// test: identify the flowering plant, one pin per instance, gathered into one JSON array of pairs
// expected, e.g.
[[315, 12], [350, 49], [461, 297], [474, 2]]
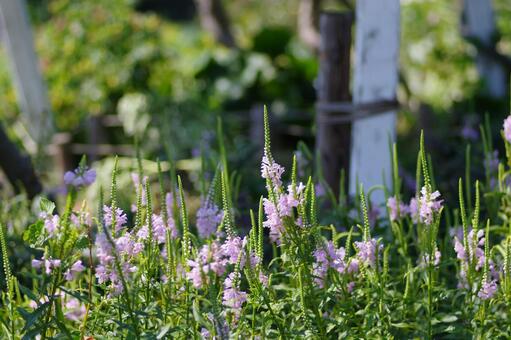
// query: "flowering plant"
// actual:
[[149, 271]]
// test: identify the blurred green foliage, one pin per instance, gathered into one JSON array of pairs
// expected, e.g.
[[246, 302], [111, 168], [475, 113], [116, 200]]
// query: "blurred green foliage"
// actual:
[[108, 58]]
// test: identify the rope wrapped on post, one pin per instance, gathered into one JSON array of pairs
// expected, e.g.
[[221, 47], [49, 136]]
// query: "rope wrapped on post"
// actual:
[[347, 112]]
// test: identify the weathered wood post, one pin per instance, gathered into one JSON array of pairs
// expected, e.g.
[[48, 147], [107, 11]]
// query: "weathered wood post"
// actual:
[[30, 89], [375, 79], [333, 85]]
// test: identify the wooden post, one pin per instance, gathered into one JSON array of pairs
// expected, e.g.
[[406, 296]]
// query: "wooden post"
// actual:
[[333, 140], [30, 89], [375, 78], [478, 25]]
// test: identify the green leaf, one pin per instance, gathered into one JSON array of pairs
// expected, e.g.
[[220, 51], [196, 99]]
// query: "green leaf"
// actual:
[[163, 331], [33, 235], [82, 243], [449, 318], [46, 205]]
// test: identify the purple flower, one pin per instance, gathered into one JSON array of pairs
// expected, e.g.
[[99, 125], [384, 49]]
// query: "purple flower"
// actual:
[[51, 223], [424, 261], [209, 260], [76, 268], [366, 251], [468, 132], [48, 263], [232, 249], [205, 333], [271, 171], [80, 177], [75, 311], [413, 209], [507, 129], [328, 256], [273, 220], [397, 209], [429, 204], [488, 290], [126, 245], [209, 218], [120, 217], [126, 249], [233, 298], [350, 286]]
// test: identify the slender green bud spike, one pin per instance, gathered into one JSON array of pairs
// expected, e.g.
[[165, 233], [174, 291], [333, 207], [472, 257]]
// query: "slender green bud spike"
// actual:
[[184, 222], [313, 212], [507, 263], [424, 162], [260, 227], [293, 175], [267, 145], [418, 174], [253, 233], [486, 252], [347, 245], [475, 219], [386, 262], [363, 205], [100, 207], [138, 216], [113, 195], [463, 214], [7, 267], [228, 223]]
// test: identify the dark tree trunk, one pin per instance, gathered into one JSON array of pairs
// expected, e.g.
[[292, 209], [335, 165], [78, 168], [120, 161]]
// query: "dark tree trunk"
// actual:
[[17, 167], [333, 140]]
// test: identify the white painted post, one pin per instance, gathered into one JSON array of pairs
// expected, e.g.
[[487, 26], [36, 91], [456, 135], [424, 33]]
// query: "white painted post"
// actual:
[[478, 22], [30, 89], [375, 78]]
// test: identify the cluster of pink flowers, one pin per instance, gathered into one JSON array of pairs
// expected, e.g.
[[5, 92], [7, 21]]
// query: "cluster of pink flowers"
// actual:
[[80, 177], [488, 290], [475, 252], [126, 247], [366, 251], [327, 256], [420, 210], [275, 212], [429, 204], [271, 171], [159, 229], [51, 222], [233, 297], [397, 209], [120, 217], [424, 260], [73, 309], [209, 259], [209, 217]]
